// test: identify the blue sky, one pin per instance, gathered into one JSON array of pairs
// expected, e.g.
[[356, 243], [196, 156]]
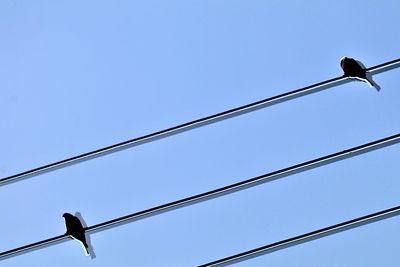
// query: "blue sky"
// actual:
[[80, 75]]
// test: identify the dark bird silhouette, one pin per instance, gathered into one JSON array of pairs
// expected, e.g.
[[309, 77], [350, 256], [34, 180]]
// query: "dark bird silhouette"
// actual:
[[75, 229], [354, 69]]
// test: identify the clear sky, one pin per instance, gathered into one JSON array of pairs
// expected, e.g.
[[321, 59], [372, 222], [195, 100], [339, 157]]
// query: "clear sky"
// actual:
[[79, 75]]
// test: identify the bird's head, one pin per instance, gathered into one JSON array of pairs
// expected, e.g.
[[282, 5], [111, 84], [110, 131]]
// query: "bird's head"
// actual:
[[67, 215]]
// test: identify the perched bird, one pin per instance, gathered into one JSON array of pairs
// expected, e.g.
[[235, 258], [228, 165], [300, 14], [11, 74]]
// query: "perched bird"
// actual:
[[75, 229], [353, 69]]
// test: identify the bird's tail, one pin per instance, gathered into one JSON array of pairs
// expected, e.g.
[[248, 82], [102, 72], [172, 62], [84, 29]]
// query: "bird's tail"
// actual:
[[371, 83], [86, 248]]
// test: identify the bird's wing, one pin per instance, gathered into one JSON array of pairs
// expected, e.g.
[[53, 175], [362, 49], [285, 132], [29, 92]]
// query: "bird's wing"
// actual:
[[353, 64], [75, 222]]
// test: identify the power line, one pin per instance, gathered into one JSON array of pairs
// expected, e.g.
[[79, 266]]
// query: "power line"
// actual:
[[196, 123], [229, 189], [330, 230]]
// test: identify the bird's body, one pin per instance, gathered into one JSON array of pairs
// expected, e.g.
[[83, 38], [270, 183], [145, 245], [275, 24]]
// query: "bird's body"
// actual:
[[353, 69], [75, 229]]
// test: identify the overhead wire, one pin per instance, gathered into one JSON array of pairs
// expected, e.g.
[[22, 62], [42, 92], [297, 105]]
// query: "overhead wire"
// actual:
[[229, 189], [293, 241], [195, 123]]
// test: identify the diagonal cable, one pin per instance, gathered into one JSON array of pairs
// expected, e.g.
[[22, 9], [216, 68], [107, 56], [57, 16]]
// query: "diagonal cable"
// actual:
[[330, 230], [229, 189], [196, 123]]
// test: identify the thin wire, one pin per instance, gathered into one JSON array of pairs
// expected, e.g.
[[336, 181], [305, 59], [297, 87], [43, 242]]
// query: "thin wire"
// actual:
[[229, 189], [330, 230], [196, 123]]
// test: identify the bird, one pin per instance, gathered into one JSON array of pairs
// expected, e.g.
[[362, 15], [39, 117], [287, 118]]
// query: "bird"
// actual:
[[75, 230], [354, 69]]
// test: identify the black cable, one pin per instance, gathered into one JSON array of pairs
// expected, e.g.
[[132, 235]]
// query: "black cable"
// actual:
[[196, 123], [330, 230], [354, 151]]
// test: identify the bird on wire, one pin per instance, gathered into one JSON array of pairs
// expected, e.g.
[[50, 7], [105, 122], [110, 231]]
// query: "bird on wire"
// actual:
[[75, 230], [354, 69]]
